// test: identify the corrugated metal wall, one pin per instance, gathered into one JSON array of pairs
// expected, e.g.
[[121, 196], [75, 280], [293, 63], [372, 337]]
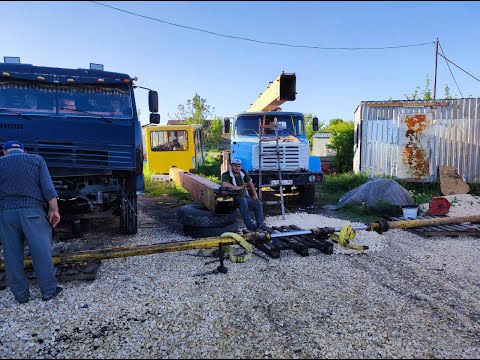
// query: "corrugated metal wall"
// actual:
[[453, 136]]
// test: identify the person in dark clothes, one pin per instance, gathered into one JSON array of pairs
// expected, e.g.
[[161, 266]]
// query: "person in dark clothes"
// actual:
[[26, 191], [239, 181]]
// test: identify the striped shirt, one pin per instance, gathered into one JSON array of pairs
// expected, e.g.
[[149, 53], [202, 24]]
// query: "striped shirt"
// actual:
[[24, 181]]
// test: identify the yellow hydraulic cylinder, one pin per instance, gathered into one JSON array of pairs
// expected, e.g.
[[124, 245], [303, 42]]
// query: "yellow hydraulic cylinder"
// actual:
[[141, 250], [277, 92]]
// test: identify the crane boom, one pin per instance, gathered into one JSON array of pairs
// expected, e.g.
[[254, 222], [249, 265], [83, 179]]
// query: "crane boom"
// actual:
[[282, 89]]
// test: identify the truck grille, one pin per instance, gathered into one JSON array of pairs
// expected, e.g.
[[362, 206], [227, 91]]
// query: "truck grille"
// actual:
[[293, 156], [68, 155]]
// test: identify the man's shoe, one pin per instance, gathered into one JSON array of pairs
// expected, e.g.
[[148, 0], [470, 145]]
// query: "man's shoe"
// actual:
[[23, 301], [262, 227], [58, 290]]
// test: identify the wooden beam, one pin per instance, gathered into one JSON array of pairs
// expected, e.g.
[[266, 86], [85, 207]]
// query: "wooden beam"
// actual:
[[406, 103]]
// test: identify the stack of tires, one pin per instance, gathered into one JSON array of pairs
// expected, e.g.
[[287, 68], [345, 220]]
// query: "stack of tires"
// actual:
[[199, 222]]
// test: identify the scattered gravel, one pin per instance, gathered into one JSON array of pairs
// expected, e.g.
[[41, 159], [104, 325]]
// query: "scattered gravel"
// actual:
[[406, 297], [460, 205]]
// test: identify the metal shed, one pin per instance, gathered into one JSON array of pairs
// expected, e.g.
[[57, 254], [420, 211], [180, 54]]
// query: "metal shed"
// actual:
[[410, 139]]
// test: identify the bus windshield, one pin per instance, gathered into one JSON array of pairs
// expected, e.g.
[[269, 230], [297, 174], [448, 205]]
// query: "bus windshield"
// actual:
[[288, 125], [112, 101]]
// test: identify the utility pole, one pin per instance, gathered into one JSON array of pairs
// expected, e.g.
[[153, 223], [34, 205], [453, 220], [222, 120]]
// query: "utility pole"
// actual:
[[435, 77]]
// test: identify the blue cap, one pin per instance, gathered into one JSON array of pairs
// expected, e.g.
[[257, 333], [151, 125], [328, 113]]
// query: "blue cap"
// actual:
[[13, 144], [236, 161]]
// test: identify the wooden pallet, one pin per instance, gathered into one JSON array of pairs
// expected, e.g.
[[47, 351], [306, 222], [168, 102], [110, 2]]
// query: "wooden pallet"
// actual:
[[300, 244], [453, 230]]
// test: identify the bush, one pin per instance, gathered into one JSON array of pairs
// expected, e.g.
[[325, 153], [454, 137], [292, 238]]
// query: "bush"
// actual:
[[210, 168], [342, 142]]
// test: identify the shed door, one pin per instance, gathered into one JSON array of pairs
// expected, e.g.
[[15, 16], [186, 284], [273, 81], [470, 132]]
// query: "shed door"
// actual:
[[414, 146]]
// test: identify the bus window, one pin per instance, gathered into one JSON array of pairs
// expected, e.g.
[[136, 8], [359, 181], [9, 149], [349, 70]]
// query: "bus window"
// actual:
[[172, 140]]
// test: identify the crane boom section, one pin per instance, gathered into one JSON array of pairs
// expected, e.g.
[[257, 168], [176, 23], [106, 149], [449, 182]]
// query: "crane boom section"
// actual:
[[282, 89]]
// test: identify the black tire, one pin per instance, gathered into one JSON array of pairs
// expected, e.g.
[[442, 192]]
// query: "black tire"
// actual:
[[128, 216], [203, 232], [199, 216], [307, 195]]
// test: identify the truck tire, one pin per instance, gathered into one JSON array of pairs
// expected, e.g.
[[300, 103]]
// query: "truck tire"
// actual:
[[203, 232], [202, 217], [128, 216], [307, 195]]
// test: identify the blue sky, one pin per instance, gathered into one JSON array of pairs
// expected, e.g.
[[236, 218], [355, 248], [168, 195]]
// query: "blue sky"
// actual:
[[230, 73]]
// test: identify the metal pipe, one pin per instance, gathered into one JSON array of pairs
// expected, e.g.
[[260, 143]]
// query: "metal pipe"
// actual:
[[409, 224]]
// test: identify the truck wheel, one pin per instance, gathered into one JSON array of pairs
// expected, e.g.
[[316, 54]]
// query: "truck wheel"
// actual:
[[201, 217], [307, 195], [202, 232], [128, 216]]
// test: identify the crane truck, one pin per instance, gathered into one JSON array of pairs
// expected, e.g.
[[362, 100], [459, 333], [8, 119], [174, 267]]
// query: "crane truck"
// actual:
[[291, 163]]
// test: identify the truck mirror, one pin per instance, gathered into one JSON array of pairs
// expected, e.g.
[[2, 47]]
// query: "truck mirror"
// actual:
[[226, 126], [315, 124], [154, 118], [153, 101]]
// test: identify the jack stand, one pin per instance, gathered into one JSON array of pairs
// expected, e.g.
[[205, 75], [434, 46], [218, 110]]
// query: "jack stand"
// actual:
[[221, 269]]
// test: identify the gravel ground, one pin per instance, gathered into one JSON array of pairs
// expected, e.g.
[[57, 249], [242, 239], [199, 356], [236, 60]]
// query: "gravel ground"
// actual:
[[407, 297]]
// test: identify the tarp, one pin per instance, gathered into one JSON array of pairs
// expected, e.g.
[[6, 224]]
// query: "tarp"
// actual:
[[375, 193]]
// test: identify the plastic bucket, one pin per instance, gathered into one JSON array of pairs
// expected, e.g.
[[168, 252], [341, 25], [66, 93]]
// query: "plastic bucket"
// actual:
[[410, 212]]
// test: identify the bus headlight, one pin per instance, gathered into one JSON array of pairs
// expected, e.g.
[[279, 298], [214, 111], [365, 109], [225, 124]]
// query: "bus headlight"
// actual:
[[311, 178]]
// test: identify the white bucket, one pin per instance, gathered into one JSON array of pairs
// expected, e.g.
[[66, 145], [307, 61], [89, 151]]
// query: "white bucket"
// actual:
[[410, 212]]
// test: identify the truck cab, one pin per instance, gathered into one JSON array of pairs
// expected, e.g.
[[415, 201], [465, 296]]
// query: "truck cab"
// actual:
[[299, 170], [84, 123]]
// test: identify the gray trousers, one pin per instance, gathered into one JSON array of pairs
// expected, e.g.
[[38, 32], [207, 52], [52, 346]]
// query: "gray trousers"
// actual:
[[31, 224]]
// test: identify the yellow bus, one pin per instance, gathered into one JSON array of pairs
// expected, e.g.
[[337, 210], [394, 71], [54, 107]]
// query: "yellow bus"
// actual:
[[178, 145]]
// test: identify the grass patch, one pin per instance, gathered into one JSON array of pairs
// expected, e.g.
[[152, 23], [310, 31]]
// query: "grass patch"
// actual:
[[210, 168], [159, 188], [335, 186], [422, 193]]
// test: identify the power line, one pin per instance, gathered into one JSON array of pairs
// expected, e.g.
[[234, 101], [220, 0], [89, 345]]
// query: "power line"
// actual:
[[260, 41], [450, 69], [465, 71]]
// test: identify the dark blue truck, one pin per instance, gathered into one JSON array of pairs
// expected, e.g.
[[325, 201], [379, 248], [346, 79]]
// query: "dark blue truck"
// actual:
[[84, 123]]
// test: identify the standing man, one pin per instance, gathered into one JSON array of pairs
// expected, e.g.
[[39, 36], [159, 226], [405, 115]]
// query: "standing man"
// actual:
[[239, 181], [26, 191]]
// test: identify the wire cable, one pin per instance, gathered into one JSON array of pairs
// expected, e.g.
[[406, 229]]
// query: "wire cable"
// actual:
[[450, 69], [465, 71], [260, 41]]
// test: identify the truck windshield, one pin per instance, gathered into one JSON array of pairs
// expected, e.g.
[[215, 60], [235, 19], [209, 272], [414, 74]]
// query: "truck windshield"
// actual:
[[112, 101], [288, 124]]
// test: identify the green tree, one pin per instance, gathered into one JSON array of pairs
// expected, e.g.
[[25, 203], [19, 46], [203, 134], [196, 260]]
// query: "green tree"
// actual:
[[215, 130], [196, 111], [447, 92], [309, 128], [342, 142], [419, 94]]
